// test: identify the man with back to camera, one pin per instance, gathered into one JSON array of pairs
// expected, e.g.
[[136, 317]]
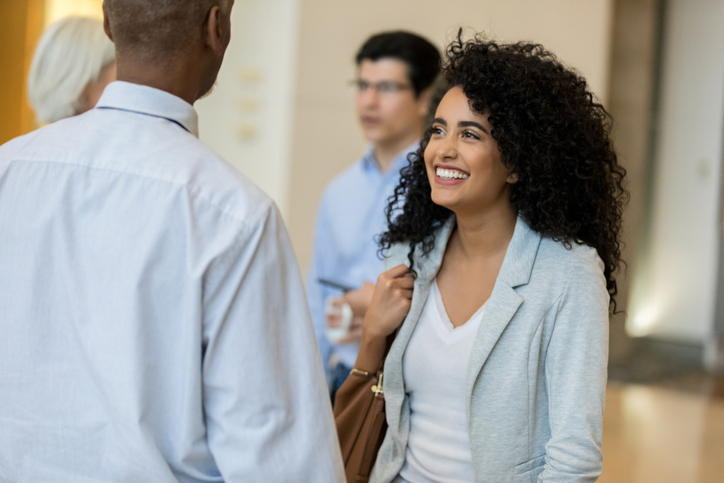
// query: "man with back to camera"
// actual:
[[395, 76], [153, 317]]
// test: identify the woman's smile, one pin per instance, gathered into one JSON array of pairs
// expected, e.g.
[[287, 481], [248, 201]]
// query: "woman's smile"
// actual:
[[449, 175]]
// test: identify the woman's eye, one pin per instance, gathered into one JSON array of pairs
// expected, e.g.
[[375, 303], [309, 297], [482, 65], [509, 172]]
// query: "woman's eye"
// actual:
[[471, 135], [437, 131]]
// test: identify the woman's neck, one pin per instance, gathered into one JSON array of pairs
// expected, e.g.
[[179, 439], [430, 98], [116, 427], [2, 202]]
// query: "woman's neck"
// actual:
[[484, 235]]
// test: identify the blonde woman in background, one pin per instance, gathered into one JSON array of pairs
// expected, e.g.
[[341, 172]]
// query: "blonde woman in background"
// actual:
[[72, 65]]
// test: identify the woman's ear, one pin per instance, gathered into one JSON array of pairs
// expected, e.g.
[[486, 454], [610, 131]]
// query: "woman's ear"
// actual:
[[512, 178]]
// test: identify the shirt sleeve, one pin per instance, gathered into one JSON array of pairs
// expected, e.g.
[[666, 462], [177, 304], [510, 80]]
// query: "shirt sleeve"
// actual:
[[316, 292], [576, 376], [268, 414]]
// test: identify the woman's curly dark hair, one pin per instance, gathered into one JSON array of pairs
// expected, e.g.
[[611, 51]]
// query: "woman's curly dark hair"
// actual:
[[550, 131]]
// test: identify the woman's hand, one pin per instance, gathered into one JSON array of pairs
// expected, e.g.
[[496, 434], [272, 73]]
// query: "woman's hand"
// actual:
[[390, 302], [388, 308]]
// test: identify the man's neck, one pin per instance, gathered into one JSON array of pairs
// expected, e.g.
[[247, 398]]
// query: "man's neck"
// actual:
[[174, 78], [385, 153]]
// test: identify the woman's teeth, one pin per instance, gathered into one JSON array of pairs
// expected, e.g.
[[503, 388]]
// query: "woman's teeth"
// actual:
[[451, 174]]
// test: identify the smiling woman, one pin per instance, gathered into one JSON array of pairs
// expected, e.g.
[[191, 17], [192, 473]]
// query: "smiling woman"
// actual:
[[463, 160], [508, 216], [550, 133]]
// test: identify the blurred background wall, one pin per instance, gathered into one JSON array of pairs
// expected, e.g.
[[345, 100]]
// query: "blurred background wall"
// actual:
[[249, 119], [283, 114], [674, 292], [21, 23]]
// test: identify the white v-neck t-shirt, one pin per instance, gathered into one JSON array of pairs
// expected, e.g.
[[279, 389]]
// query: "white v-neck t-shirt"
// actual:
[[434, 367]]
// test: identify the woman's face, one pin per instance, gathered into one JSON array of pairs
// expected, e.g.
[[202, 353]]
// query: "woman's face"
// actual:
[[463, 161]]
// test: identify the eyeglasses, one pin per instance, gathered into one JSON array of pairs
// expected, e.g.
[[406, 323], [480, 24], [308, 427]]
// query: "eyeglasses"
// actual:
[[382, 87]]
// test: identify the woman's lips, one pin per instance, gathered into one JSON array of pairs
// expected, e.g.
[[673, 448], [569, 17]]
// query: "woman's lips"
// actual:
[[449, 176]]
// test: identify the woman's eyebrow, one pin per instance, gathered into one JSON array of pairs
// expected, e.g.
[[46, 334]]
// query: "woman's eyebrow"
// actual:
[[439, 120], [472, 124]]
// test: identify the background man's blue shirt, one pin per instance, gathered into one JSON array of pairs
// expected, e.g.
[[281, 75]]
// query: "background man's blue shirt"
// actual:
[[350, 217]]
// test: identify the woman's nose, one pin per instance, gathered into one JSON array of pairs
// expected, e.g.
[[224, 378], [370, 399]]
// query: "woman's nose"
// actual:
[[447, 148]]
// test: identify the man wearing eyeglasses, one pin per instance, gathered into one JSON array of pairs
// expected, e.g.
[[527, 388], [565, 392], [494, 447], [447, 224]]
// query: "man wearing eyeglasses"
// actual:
[[395, 76]]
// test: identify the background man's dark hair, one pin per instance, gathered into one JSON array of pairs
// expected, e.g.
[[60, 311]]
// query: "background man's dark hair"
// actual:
[[157, 28], [421, 56]]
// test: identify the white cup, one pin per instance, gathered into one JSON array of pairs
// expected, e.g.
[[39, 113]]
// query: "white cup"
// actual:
[[341, 313]]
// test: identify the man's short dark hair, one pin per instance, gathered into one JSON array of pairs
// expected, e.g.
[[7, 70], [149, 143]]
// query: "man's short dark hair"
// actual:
[[157, 28], [421, 56]]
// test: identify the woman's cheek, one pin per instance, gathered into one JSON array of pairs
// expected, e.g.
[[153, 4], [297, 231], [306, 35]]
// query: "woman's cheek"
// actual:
[[428, 156]]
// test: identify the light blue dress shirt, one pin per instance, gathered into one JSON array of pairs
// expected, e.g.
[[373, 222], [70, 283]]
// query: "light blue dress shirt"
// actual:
[[351, 215], [154, 324]]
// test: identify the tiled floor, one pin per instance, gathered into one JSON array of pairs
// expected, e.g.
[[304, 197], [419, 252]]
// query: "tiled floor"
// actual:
[[671, 431]]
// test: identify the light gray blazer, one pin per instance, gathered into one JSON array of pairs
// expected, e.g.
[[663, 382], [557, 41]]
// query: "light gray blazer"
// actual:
[[536, 378]]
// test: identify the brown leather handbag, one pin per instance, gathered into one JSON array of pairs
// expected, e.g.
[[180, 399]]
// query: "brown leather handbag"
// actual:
[[359, 413]]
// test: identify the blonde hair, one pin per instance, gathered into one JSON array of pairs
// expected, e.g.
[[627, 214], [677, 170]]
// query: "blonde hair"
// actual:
[[71, 53]]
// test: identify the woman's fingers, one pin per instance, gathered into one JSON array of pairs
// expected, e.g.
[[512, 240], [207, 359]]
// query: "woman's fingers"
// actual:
[[390, 301], [397, 276], [405, 282], [397, 271]]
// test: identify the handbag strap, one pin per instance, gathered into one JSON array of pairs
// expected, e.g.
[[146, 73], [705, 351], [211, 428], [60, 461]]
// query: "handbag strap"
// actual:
[[390, 339]]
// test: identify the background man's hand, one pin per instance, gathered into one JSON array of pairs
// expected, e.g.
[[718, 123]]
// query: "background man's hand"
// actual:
[[358, 300]]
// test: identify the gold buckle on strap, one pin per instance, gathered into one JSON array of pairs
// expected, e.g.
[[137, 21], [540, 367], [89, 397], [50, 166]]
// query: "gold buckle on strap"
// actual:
[[377, 388]]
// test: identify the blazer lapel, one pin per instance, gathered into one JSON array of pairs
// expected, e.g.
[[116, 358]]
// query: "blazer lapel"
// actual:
[[502, 306], [504, 301], [426, 268]]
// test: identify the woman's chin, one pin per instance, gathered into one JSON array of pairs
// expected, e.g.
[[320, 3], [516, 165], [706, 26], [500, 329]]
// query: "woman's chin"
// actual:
[[445, 202]]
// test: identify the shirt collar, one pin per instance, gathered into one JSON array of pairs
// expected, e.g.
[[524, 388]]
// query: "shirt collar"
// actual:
[[150, 101], [369, 163]]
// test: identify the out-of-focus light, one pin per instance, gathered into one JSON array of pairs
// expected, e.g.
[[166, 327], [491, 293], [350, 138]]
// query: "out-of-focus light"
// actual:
[[643, 321], [57, 9]]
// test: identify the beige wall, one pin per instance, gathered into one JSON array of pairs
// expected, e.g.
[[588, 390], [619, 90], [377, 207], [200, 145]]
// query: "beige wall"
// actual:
[[247, 120], [326, 136], [631, 91], [674, 291]]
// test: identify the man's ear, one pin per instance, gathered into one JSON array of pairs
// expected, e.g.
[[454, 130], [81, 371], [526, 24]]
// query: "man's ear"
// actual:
[[423, 102], [216, 30], [107, 23]]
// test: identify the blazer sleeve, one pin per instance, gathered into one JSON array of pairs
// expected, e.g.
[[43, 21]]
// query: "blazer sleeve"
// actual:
[[576, 373]]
